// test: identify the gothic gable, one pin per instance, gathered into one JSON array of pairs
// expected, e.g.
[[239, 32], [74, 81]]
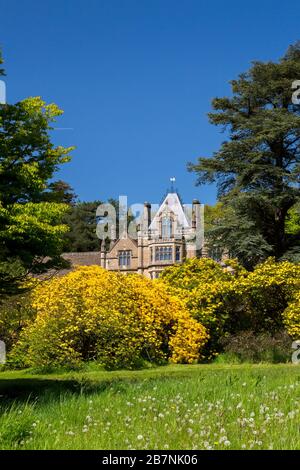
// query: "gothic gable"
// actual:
[[171, 206]]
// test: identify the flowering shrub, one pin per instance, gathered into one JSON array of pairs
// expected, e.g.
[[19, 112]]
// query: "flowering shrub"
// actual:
[[292, 317], [266, 292], [118, 320], [229, 302], [207, 291]]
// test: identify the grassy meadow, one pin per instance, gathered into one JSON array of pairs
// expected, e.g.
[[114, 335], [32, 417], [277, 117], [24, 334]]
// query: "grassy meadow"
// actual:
[[170, 407]]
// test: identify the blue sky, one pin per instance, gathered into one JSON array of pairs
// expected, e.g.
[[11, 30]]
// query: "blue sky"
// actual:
[[135, 79]]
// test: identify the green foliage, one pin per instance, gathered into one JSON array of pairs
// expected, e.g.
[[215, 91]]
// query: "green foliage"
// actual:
[[228, 303], [33, 232], [292, 316], [12, 276], [293, 230], [247, 346], [257, 167], [30, 228], [60, 191], [293, 220], [28, 159], [81, 220], [213, 215], [236, 233], [15, 313]]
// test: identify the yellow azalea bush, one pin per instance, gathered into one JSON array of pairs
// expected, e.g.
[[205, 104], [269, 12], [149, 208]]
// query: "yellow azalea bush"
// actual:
[[226, 302], [206, 288], [118, 320], [266, 292], [292, 317]]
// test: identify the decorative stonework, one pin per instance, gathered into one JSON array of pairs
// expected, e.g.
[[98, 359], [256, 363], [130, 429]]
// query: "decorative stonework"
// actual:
[[163, 239]]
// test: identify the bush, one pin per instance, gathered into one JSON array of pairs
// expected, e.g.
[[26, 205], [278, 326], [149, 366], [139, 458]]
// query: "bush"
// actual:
[[231, 302], [15, 314], [292, 317], [249, 347], [206, 289], [94, 314], [265, 294]]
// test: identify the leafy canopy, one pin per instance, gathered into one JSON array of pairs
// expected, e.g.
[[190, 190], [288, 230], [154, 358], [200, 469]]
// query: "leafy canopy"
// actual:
[[257, 169], [30, 228]]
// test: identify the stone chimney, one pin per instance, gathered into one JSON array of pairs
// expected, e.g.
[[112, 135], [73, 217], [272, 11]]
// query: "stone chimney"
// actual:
[[146, 216], [196, 214]]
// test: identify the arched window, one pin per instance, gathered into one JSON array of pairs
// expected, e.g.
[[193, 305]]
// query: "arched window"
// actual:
[[166, 227]]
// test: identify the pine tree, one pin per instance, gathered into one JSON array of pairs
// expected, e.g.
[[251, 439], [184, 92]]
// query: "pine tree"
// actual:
[[257, 169]]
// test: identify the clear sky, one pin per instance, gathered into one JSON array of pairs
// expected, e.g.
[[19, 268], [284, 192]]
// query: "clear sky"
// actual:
[[135, 79]]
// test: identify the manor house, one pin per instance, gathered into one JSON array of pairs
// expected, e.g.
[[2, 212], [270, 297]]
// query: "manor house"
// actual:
[[164, 238]]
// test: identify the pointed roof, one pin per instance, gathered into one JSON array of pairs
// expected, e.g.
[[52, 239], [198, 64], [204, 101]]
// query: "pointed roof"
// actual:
[[171, 203]]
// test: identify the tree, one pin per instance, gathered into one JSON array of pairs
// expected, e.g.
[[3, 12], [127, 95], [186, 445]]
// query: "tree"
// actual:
[[292, 228], [257, 169], [60, 191], [30, 228], [81, 220], [293, 220]]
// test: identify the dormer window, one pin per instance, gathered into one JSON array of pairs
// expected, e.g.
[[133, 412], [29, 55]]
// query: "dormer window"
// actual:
[[166, 227]]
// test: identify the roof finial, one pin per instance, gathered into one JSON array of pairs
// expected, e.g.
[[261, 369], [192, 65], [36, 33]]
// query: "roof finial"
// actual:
[[172, 179]]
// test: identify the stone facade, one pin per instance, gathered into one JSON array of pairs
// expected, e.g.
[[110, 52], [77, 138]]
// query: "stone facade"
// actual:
[[163, 239]]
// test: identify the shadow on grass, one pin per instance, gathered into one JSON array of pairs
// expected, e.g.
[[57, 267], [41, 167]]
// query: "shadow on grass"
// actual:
[[24, 389]]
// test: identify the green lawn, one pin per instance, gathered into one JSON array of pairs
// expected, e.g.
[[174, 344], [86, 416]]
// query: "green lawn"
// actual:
[[171, 407]]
